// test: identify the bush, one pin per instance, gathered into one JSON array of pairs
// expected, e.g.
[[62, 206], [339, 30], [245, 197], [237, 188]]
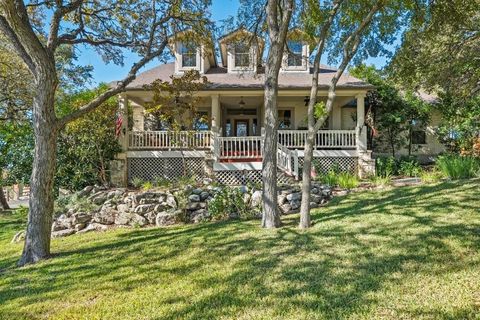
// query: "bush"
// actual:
[[431, 176], [385, 166], [409, 166], [347, 180], [381, 181], [458, 167], [228, 201], [329, 179], [137, 182]]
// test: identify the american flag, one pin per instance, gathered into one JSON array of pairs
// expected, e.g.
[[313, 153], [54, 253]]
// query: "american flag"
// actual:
[[118, 124]]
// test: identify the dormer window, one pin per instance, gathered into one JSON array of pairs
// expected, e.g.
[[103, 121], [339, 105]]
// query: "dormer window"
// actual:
[[242, 55], [295, 58], [189, 55]]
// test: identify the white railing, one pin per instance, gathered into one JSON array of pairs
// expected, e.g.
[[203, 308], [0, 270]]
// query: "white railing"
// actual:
[[240, 147], [287, 160], [169, 140], [328, 139]]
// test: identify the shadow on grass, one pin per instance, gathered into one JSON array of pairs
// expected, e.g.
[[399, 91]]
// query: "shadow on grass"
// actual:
[[360, 243]]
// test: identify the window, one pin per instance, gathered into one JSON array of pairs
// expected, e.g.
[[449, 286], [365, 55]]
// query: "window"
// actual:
[[419, 137], [284, 119], [294, 58], [242, 55], [189, 55]]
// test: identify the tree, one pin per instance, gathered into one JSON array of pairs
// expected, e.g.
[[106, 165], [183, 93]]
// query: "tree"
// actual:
[[86, 145], [439, 51], [110, 27], [278, 15], [349, 27]]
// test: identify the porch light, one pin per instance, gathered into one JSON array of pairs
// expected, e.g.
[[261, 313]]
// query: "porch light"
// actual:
[[241, 104], [306, 100]]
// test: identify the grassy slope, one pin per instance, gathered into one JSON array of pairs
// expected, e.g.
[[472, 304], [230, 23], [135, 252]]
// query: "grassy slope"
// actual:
[[404, 253]]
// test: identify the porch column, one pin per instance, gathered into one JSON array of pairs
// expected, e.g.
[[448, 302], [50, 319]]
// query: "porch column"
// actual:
[[123, 112], [216, 124], [361, 128]]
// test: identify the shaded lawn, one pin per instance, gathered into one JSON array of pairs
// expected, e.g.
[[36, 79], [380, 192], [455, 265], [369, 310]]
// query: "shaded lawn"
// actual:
[[406, 253]]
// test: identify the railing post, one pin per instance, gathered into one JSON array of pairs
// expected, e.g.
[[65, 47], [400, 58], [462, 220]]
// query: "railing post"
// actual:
[[295, 164]]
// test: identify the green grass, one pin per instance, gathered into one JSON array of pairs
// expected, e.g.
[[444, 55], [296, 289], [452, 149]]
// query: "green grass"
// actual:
[[404, 253]]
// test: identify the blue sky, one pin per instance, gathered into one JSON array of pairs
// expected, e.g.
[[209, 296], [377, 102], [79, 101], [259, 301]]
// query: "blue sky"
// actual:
[[103, 72]]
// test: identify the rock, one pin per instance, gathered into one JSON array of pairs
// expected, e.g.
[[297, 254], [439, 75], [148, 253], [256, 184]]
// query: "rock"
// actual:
[[286, 208], [199, 215], [286, 191], [295, 204], [19, 236], [316, 198], [123, 218], [294, 196], [79, 226], [150, 216], [197, 191], [326, 192], [246, 198], [123, 208], [81, 217], [194, 198], [171, 202], [94, 227], [314, 190], [204, 195], [105, 216], [342, 193], [85, 191], [64, 221], [281, 199], [257, 198], [166, 218], [243, 189], [192, 206], [63, 233], [207, 181], [144, 208], [313, 205], [138, 220], [98, 198], [161, 207]]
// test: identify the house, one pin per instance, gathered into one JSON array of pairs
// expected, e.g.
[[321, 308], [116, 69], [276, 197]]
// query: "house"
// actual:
[[229, 147]]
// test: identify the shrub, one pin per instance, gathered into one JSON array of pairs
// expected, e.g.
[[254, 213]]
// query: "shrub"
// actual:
[[347, 180], [381, 181], [330, 178], [161, 182], [431, 176], [227, 201], [147, 186], [458, 167], [409, 167], [385, 166], [137, 182]]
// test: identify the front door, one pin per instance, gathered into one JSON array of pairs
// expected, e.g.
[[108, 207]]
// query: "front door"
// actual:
[[241, 128]]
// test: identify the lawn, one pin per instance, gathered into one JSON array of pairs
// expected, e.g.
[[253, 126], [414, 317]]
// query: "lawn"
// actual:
[[404, 253]]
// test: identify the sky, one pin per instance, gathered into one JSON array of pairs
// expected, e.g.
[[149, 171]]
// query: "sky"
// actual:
[[107, 72]]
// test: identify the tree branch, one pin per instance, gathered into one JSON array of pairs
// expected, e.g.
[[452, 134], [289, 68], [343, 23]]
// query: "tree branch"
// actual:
[[52, 41]]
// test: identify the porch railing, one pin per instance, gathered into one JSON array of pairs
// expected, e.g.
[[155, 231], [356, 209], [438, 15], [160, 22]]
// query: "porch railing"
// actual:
[[326, 139], [240, 147], [287, 160], [169, 140]]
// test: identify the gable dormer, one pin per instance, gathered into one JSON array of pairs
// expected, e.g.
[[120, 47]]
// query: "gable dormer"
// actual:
[[192, 55], [297, 52], [241, 51]]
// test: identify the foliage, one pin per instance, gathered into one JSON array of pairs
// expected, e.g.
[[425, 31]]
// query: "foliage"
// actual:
[[86, 145], [73, 201], [439, 51], [425, 237], [431, 176], [385, 166], [174, 105], [346, 180], [458, 167], [390, 166], [409, 167], [147, 186], [137, 182], [229, 201], [380, 181], [330, 178], [395, 114]]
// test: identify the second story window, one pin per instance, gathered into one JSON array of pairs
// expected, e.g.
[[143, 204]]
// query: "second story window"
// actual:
[[189, 55], [294, 58], [242, 55]]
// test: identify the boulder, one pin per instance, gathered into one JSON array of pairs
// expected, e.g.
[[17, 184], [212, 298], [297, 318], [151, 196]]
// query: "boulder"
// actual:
[[295, 204], [294, 196], [166, 218], [94, 227], [286, 208], [81, 217], [313, 205], [138, 220], [194, 198], [170, 201], [192, 206], [197, 191], [257, 198], [281, 199], [62, 233], [123, 208], [79, 226], [204, 195], [123, 218], [199, 215], [144, 208], [151, 216], [85, 191], [316, 198], [314, 190], [105, 216]]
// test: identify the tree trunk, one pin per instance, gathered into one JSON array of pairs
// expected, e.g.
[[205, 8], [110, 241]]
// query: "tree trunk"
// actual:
[[277, 32], [40, 215], [3, 200], [307, 180]]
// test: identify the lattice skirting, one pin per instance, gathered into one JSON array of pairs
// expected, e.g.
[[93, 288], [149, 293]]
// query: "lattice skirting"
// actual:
[[239, 177], [148, 169], [324, 164]]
